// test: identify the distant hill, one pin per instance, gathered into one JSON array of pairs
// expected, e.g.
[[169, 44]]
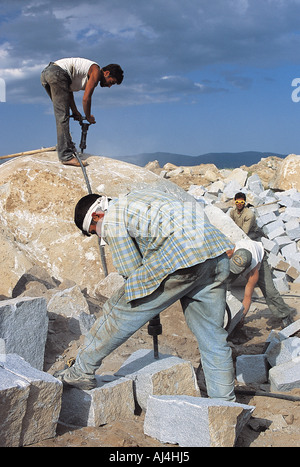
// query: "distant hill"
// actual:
[[222, 160]]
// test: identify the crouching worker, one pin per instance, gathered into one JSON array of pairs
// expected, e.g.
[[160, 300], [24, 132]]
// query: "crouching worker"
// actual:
[[166, 252], [249, 260]]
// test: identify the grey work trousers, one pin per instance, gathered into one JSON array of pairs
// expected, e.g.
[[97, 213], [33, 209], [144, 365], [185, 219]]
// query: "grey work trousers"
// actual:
[[202, 292], [57, 82], [274, 300]]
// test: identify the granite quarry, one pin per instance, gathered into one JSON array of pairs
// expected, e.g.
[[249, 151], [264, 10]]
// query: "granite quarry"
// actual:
[[48, 304]]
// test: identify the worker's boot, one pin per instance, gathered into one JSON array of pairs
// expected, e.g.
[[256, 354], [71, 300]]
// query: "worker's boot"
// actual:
[[72, 377]]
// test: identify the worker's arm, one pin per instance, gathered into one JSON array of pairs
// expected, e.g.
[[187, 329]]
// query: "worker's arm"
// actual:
[[94, 78], [251, 283], [75, 112]]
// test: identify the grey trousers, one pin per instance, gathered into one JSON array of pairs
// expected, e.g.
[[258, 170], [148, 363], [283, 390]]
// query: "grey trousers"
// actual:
[[275, 302], [202, 292], [57, 82]]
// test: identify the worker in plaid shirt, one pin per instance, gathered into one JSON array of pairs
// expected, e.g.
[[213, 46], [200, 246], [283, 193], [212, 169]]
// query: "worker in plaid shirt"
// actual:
[[166, 251]]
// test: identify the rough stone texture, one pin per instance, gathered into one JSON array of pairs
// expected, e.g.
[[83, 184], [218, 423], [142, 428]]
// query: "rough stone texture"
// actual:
[[286, 376], [34, 275], [288, 331], [14, 393], [167, 375], [283, 351], [30, 402], [71, 304], [110, 284], [110, 401], [13, 261], [24, 327], [288, 174], [38, 191], [224, 223], [252, 369], [195, 421]]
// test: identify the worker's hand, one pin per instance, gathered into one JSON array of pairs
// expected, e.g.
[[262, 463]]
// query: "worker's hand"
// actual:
[[91, 119], [77, 116]]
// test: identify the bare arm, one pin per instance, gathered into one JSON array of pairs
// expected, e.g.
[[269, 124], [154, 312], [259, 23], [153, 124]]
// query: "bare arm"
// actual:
[[94, 78], [252, 281], [75, 112]]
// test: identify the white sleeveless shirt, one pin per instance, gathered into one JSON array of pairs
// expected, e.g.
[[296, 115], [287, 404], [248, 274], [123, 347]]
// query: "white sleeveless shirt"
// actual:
[[255, 248], [77, 69]]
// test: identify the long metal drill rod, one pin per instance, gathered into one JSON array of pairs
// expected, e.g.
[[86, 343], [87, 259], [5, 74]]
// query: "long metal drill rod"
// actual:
[[84, 129]]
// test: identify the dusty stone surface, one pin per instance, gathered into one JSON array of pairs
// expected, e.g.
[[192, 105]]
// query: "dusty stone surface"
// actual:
[[195, 421], [287, 176], [37, 199], [274, 422]]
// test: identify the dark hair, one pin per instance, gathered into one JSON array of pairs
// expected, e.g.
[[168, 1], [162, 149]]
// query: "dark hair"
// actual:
[[82, 208], [115, 72], [240, 195]]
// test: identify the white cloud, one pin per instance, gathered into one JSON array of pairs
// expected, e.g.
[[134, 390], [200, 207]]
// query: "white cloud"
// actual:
[[159, 43]]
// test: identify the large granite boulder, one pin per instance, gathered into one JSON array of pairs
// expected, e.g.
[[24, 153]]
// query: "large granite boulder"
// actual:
[[37, 199], [287, 176]]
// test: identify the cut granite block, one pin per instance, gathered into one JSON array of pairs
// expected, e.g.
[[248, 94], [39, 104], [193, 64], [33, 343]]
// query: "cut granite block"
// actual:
[[288, 331], [283, 351], [29, 403], [281, 284], [283, 241], [266, 219], [14, 393], [43, 404], [111, 400], [195, 421], [24, 328], [275, 233], [290, 250], [270, 245], [167, 375], [266, 209], [286, 376], [252, 369]]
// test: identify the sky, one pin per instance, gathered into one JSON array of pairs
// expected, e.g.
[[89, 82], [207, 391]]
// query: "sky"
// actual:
[[200, 76]]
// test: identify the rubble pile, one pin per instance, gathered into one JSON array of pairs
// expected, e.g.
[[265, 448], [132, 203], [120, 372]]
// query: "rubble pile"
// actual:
[[277, 214], [279, 365]]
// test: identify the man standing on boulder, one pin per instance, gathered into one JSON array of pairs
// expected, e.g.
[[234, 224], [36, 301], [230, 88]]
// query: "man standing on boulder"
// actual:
[[61, 79], [166, 251]]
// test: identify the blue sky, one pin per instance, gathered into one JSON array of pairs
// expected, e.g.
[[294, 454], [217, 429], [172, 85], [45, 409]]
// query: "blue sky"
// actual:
[[200, 76]]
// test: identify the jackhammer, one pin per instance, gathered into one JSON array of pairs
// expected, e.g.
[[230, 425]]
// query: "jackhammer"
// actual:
[[84, 130], [154, 330]]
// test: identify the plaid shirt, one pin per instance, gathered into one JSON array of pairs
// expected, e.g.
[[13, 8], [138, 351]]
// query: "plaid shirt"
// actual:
[[152, 234]]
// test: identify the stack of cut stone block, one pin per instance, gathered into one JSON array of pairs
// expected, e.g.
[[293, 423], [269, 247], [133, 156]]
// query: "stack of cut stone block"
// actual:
[[279, 365], [30, 402], [30, 399], [25, 390], [167, 391], [277, 214]]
